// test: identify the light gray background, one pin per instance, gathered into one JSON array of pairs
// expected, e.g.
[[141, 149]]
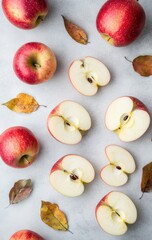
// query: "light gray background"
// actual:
[[124, 81]]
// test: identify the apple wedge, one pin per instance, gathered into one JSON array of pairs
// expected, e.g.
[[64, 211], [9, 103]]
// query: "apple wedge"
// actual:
[[121, 163], [88, 74], [128, 117], [68, 121], [114, 212], [69, 174]]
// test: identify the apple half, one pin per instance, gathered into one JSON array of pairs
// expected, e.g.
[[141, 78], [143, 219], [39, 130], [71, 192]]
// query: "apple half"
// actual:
[[128, 117], [68, 121], [114, 212], [121, 163], [69, 174], [88, 74]]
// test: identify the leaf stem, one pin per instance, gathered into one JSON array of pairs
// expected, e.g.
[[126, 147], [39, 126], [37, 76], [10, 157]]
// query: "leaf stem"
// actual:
[[127, 59]]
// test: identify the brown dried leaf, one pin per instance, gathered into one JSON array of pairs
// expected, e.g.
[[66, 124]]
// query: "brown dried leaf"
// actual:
[[20, 191], [77, 33], [53, 216], [23, 103], [143, 65], [146, 183]]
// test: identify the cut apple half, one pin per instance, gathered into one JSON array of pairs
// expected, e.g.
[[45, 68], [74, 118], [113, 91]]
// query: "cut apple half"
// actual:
[[88, 74], [128, 117], [68, 121], [121, 163], [69, 174], [114, 212]]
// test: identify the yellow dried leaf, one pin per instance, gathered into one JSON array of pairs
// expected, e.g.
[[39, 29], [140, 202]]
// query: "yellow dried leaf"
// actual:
[[53, 216], [77, 33], [23, 103]]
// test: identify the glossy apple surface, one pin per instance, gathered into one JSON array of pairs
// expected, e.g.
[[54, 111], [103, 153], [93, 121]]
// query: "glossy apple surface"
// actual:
[[120, 22], [26, 235], [34, 63], [18, 147], [25, 14]]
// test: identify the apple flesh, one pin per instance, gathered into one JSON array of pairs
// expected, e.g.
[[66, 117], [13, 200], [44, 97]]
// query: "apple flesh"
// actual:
[[88, 74], [68, 121], [114, 212], [18, 147], [120, 22], [25, 14], [121, 163], [69, 174], [26, 235], [34, 63], [128, 117]]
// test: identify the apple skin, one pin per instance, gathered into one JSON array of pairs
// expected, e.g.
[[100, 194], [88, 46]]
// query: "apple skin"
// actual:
[[34, 63], [26, 235], [25, 14], [16, 142], [120, 22]]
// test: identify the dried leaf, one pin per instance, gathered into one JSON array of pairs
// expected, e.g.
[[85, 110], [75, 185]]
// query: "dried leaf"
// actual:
[[53, 216], [20, 191], [23, 103], [146, 183], [143, 65], [77, 33]]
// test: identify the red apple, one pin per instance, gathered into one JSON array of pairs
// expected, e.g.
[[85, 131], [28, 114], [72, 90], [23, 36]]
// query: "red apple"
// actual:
[[26, 235], [18, 147], [34, 63], [120, 21], [25, 14]]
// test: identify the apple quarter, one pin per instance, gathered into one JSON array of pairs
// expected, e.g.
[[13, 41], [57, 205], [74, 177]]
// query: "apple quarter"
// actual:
[[114, 212], [69, 174], [121, 163], [68, 121], [128, 117], [88, 74]]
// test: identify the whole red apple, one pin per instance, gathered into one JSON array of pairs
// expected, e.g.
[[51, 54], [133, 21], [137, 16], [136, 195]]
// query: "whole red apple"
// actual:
[[34, 63], [25, 14], [26, 235], [18, 147], [120, 21]]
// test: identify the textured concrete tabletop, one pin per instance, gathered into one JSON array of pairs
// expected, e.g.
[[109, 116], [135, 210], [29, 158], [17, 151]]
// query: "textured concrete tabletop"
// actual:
[[80, 211]]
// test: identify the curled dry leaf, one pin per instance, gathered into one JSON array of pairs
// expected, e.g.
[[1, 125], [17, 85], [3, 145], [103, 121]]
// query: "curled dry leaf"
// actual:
[[53, 216], [146, 183], [143, 65], [23, 103], [20, 191], [77, 33]]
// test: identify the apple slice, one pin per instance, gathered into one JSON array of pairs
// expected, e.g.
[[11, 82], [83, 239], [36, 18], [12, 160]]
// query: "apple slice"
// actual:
[[114, 212], [68, 121], [69, 174], [120, 164], [128, 117], [88, 74]]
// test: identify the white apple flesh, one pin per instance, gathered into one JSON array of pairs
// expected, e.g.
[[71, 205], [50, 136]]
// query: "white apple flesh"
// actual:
[[128, 117], [68, 121], [121, 163], [69, 174], [88, 74], [114, 212]]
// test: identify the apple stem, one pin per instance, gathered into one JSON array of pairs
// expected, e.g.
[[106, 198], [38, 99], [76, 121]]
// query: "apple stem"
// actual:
[[128, 59], [43, 106], [36, 65]]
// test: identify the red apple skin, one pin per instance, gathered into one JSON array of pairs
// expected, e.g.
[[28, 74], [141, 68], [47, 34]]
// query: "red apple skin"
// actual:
[[121, 20], [57, 165], [25, 14], [139, 105], [26, 235], [34, 63], [103, 201], [16, 142]]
